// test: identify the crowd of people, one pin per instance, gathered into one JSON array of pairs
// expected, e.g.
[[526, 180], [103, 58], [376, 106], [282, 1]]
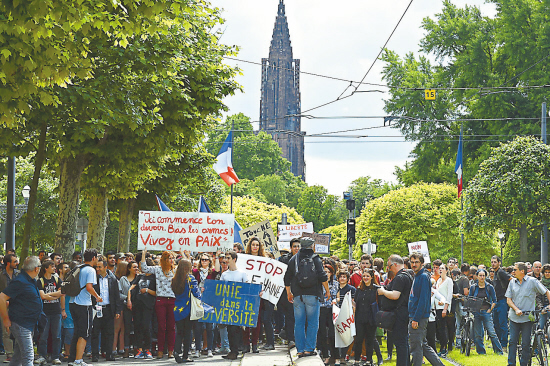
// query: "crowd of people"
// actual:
[[139, 305]]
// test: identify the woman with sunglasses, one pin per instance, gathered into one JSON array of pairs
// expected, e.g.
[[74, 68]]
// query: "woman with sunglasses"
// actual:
[[206, 271], [164, 305], [255, 247]]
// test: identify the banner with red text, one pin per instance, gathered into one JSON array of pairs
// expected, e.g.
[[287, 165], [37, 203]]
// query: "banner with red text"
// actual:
[[193, 231], [269, 273], [288, 232], [420, 247], [344, 322]]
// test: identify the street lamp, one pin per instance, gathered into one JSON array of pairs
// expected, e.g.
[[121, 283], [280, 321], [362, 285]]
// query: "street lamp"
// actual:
[[82, 232], [501, 236]]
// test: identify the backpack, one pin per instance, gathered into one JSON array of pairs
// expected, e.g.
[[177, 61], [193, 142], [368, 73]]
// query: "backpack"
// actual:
[[71, 283], [55, 277], [306, 276]]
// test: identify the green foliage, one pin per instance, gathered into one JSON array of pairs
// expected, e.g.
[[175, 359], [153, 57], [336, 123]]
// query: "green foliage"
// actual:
[[320, 208], [366, 189], [511, 189], [472, 51], [429, 212], [249, 211]]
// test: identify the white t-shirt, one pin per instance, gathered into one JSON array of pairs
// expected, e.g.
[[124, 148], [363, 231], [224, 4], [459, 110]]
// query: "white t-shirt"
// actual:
[[87, 275], [235, 276]]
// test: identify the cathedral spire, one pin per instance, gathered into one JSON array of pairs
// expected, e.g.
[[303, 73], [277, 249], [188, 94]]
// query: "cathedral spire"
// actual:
[[280, 42]]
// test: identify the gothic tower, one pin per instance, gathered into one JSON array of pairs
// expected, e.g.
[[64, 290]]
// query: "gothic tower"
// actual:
[[280, 103]]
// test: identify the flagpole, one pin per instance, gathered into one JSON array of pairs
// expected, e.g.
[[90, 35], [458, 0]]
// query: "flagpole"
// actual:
[[462, 198], [232, 148]]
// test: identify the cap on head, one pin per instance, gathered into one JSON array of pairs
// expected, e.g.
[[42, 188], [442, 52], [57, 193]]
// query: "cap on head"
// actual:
[[306, 242]]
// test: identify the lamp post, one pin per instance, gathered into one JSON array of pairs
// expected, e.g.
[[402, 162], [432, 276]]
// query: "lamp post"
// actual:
[[82, 232], [10, 214], [501, 236]]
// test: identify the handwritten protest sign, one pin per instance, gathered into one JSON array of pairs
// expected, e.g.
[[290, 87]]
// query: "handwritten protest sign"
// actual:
[[234, 303], [344, 322], [194, 231], [322, 242], [283, 245], [268, 272], [420, 247], [287, 232], [263, 232]]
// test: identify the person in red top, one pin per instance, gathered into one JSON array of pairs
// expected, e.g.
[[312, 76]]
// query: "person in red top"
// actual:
[[356, 277]]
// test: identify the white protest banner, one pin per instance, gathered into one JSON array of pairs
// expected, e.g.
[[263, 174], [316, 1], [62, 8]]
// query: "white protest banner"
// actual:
[[322, 242], [263, 232], [287, 232], [283, 245], [193, 231], [420, 247], [344, 322], [269, 273]]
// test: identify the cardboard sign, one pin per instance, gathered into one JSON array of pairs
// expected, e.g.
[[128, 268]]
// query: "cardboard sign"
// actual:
[[263, 232], [322, 242], [344, 322], [234, 303], [288, 232], [194, 231], [420, 247], [269, 273]]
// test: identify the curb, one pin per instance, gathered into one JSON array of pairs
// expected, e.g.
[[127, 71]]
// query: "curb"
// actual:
[[305, 361]]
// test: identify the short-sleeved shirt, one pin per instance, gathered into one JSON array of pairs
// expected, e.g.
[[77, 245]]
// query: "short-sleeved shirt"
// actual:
[[463, 283], [235, 276], [343, 291], [524, 296], [145, 281], [25, 302], [402, 282], [87, 275], [51, 307]]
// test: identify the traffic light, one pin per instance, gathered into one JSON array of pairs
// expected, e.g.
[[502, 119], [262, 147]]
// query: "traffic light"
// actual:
[[351, 231], [350, 205]]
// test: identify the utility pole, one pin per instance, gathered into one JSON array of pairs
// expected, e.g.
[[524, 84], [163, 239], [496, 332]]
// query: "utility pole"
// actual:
[[10, 213], [544, 234], [350, 205]]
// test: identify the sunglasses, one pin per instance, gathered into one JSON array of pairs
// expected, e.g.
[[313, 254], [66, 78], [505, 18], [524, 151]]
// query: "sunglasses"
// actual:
[[205, 259]]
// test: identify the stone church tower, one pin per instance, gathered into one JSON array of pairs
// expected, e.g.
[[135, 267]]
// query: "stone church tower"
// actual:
[[281, 95]]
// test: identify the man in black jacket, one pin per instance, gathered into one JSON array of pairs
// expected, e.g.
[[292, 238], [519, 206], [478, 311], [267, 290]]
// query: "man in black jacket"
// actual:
[[304, 279], [283, 304], [107, 311]]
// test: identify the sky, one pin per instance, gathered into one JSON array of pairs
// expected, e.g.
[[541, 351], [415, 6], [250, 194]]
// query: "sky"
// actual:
[[337, 39]]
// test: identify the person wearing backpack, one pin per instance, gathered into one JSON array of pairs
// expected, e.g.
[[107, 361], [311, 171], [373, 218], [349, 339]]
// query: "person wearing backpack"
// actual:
[[49, 286], [81, 308], [304, 281]]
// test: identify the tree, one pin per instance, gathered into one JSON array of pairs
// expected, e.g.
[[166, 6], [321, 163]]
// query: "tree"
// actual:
[[366, 189], [511, 189], [429, 212], [320, 208], [249, 211], [471, 51]]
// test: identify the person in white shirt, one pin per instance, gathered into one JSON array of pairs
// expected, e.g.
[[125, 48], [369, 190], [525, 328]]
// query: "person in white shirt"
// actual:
[[445, 287]]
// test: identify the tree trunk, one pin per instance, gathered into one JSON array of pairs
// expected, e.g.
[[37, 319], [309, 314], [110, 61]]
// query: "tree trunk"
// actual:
[[523, 243], [98, 218], [38, 162], [125, 225], [69, 191]]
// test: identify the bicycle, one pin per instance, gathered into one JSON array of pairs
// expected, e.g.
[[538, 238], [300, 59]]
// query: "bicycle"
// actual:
[[471, 305], [539, 352]]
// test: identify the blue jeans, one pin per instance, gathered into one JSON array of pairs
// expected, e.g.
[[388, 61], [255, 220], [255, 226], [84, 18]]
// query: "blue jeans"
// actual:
[[23, 351], [500, 321], [485, 320], [542, 320], [306, 308], [53, 322], [224, 339], [525, 330], [198, 330], [459, 314]]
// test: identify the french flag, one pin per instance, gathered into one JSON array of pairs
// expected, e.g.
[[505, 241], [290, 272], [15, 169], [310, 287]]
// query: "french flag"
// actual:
[[162, 206], [458, 165], [203, 207], [224, 164]]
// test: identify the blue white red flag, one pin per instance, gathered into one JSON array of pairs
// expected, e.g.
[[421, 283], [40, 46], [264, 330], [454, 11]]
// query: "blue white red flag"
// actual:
[[203, 207], [161, 205], [224, 163], [458, 165]]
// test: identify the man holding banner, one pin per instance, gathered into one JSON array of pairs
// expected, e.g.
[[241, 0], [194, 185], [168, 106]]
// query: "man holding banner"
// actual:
[[303, 280]]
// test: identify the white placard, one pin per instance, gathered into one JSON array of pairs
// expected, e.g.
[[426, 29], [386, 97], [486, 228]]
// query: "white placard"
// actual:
[[284, 245], [344, 322], [288, 232], [194, 231], [269, 273], [420, 247]]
